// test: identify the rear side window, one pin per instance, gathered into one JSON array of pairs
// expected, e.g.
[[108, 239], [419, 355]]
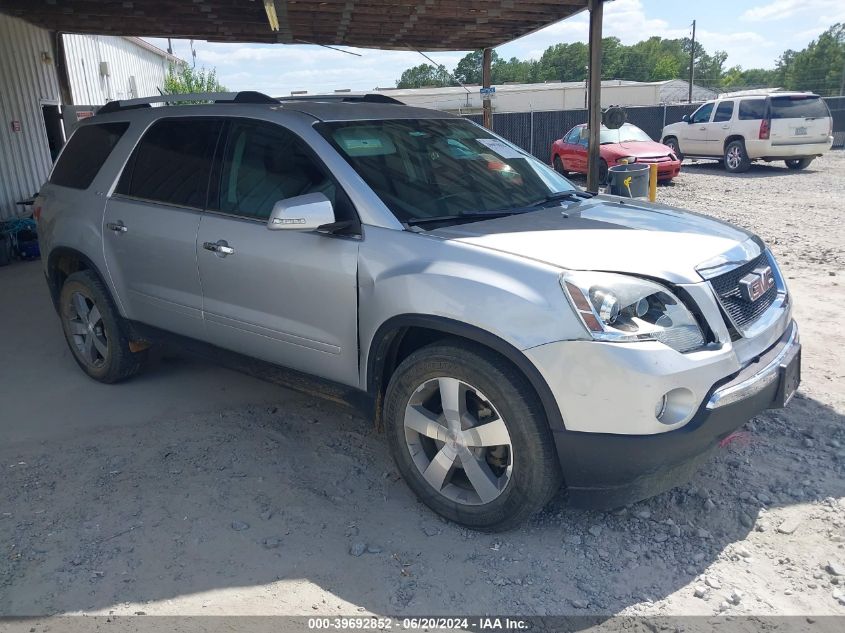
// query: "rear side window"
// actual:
[[172, 162], [798, 107], [85, 154], [724, 112], [752, 109]]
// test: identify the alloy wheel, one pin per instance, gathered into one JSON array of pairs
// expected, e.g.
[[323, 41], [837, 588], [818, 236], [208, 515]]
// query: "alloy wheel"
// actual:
[[458, 441], [734, 157], [87, 330]]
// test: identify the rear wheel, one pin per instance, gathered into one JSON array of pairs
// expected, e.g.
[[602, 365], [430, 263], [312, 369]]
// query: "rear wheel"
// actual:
[[736, 158], [94, 330], [469, 436], [672, 143], [798, 163]]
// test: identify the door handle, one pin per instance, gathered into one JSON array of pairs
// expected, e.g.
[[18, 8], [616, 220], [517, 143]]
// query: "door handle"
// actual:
[[117, 227], [726, 127], [220, 247], [702, 127]]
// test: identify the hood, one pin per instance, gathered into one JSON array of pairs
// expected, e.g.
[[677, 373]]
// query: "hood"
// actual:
[[606, 233], [640, 149]]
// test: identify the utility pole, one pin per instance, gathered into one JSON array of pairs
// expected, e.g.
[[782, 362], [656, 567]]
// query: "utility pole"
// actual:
[[692, 61], [594, 110]]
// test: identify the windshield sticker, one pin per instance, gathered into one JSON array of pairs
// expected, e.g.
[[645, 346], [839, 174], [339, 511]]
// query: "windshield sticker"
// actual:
[[502, 149]]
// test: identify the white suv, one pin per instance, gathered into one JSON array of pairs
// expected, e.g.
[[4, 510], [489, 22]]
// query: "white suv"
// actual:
[[795, 127]]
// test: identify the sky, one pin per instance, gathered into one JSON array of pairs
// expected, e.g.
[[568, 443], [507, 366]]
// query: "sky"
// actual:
[[752, 32]]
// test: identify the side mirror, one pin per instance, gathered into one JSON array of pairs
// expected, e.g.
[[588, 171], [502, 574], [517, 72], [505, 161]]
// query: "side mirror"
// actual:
[[301, 213], [685, 118]]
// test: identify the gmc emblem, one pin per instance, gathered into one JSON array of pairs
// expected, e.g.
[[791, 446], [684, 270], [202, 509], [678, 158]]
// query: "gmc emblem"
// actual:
[[755, 284]]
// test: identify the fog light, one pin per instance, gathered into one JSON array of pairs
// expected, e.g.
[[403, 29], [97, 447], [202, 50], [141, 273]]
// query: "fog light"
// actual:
[[660, 407]]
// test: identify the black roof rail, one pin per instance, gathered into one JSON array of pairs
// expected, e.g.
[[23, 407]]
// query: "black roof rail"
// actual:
[[246, 96], [345, 98]]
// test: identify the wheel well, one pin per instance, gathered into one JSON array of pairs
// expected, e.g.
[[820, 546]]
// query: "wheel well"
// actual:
[[402, 336], [731, 139], [61, 264]]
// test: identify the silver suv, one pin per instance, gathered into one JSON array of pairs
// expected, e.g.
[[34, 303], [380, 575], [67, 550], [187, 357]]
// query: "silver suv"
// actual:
[[514, 333]]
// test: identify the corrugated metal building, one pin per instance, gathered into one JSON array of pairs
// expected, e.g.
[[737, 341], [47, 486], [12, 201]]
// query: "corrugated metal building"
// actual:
[[104, 68], [28, 82], [99, 69], [550, 96]]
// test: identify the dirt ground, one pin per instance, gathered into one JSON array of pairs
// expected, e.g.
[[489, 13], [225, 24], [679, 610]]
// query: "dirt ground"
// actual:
[[177, 494]]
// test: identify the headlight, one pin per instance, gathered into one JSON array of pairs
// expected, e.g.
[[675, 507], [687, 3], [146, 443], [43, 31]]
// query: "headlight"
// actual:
[[620, 308], [627, 159]]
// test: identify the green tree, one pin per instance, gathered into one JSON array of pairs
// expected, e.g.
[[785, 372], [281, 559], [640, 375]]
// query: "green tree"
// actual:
[[182, 79], [425, 75], [564, 62], [819, 66]]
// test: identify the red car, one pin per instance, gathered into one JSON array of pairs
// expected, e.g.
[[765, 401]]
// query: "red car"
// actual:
[[629, 142]]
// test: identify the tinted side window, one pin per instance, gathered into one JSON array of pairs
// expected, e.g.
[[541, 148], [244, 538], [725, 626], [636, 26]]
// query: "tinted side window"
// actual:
[[702, 115], [172, 162], [85, 154], [752, 109], [798, 107], [724, 112], [265, 163]]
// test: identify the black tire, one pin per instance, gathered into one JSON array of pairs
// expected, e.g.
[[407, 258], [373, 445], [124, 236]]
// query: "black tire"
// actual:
[[107, 358], [558, 164], [672, 143], [798, 163], [736, 159], [603, 171], [534, 475]]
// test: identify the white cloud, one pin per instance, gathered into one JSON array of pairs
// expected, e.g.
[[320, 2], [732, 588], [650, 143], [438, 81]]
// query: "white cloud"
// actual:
[[782, 9]]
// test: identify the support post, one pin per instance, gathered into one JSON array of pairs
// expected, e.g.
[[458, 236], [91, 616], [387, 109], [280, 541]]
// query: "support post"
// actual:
[[652, 182], [594, 95], [60, 60], [486, 76]]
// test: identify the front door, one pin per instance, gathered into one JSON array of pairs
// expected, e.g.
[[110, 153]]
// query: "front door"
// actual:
[[284, 296], [151, 222], [694, 135]]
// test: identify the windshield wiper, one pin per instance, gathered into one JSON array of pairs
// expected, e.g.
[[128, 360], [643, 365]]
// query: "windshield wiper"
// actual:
[[469, 216], [574, 195]]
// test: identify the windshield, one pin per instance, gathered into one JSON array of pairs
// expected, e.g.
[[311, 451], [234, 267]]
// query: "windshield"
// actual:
[[430, 168], [625, 134]]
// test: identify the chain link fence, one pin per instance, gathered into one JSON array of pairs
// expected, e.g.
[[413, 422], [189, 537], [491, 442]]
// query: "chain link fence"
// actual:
[[536, 131]]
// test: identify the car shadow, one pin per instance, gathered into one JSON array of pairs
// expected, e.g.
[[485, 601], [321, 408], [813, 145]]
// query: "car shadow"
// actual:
[[756, 170], [273, 497]]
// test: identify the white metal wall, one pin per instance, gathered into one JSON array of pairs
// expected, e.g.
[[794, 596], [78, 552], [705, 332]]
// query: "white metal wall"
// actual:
[[125, 60], [25, 79]]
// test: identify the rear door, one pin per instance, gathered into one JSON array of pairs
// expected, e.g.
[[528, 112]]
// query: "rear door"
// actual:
[[151, 222], [799, 120], [694, 135], [285, 296]]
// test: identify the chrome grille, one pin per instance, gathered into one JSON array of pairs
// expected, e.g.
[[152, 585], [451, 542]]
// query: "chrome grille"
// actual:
[[726, 286]]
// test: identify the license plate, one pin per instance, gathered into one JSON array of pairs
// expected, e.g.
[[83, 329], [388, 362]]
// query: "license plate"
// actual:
[[790, 378], [800, 131]]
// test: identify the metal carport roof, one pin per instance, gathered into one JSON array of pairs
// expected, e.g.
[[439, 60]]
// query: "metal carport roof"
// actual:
[[386, 24]]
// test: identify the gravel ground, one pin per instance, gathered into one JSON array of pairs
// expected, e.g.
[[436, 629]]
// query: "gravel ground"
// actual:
[[296, 508]]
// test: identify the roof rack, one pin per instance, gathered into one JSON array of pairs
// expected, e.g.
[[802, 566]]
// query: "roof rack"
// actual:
[[247, 96], [345, 98]]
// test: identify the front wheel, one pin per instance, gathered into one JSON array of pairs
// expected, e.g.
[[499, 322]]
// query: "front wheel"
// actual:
[[469, 436], [736, 158], [95, 331], [672, 143], [798, 163], [558, 164]]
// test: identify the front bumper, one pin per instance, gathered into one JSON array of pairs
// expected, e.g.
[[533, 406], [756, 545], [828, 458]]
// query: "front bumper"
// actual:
[[605, 470]]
